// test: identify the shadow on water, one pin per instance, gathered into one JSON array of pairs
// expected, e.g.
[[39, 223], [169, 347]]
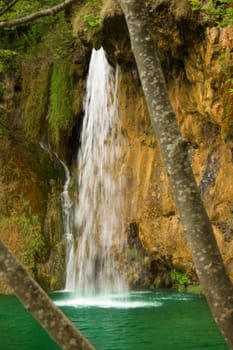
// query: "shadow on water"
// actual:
[[137, 321]]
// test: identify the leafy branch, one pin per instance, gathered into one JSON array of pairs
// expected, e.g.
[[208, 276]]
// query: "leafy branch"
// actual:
[[52, 11], [8, 7]]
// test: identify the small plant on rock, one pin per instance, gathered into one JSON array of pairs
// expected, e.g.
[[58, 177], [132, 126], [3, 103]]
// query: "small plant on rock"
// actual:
[[179, 279]]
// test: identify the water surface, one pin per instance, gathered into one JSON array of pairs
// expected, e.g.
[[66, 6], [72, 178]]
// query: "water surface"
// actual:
[[140, 321]]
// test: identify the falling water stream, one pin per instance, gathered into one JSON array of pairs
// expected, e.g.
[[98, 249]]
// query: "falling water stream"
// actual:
[[98, 207], [67, 215]]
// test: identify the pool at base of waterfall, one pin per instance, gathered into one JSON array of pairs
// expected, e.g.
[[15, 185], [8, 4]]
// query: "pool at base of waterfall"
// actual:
[[141, 320]]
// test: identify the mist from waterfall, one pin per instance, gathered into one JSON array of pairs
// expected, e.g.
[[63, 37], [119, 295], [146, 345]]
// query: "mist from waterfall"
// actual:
[[94, 263]]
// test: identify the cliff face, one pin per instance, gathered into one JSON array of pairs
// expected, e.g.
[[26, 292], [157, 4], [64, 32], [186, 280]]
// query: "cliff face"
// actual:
[[30, 186], [197, 61]]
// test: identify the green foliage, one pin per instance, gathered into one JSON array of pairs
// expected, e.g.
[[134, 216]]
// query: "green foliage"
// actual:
[[61, 98], [220, 10], [26, 7], [91, 13], [21, 8], [196, 4], [87, 20], [180, 279], [91, 19], [20, 38], [25, 37]]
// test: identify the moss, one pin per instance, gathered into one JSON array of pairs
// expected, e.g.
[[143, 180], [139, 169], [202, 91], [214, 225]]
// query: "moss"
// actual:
[[45, 165], [48, 61], [58, 42], [9, 59], [57, 263], [86, 22], [37, 90], [61, 99], [23, 235]]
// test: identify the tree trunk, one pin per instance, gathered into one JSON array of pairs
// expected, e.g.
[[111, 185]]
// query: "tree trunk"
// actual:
[[39, 304], [206, 256]]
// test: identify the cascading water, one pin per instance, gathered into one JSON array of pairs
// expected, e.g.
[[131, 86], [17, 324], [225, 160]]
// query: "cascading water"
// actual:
[[98, 223], [67, 214]]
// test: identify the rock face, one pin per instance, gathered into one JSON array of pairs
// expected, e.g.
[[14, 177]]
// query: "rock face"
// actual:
[[30, 207], [197, 61]]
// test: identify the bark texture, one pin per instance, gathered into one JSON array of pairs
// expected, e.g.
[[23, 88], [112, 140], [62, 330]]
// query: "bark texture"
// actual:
[[39, 304], [29, 18], [216, 283]]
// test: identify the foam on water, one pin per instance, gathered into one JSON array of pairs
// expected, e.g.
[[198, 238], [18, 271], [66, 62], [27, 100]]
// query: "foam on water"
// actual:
[[129, 300], [113, 303]]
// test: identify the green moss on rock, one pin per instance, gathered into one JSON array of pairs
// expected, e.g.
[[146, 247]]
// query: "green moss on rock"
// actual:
[[36, 88], [61, 99], [23, 235]]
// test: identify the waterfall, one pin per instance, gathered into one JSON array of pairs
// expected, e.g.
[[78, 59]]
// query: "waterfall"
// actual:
[[67, 215], [96, 260]]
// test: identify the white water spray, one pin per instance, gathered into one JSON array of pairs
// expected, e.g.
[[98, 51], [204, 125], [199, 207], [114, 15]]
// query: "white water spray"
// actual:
[[96, 263]]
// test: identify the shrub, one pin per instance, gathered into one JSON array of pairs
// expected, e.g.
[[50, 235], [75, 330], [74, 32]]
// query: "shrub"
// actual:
[[180, 279], [221, 10]]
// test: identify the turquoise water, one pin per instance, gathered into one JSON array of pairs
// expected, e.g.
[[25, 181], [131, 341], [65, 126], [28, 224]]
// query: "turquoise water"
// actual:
[[142, 321]]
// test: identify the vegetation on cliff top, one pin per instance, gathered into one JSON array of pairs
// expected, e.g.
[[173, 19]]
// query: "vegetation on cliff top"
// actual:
[[221, 10]]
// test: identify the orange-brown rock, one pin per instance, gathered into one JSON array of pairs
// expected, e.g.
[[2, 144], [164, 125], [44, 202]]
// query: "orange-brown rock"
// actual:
[[197, 84]]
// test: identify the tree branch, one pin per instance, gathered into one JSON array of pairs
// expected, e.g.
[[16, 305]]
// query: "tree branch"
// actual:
[[213, 277], [8, 7], [32, 17], [38, 303]]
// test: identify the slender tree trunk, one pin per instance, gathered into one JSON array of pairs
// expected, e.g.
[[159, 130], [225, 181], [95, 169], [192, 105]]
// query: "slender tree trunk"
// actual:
[[38, 303], [207, 259]]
